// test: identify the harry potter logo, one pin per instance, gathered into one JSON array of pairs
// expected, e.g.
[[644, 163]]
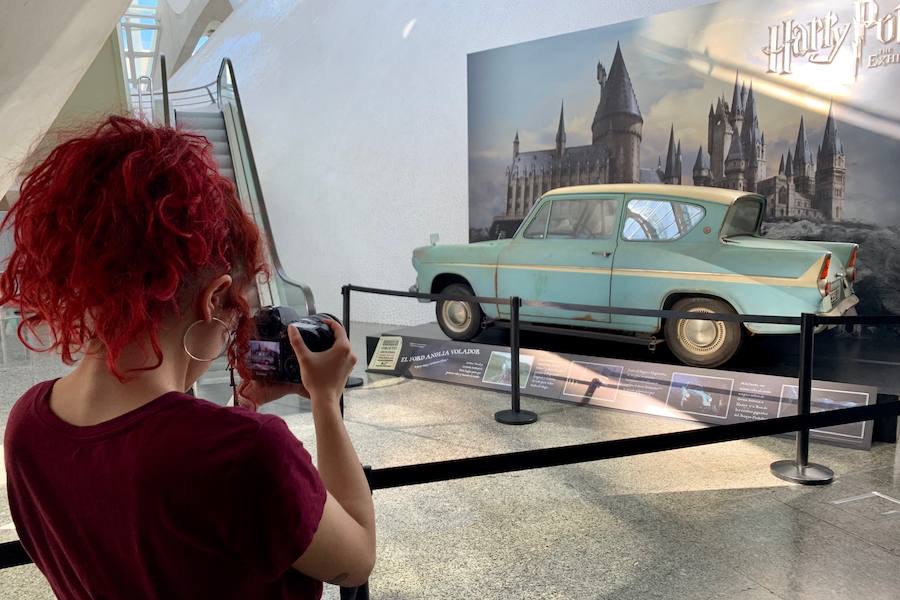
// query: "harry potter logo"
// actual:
[[820, 39]]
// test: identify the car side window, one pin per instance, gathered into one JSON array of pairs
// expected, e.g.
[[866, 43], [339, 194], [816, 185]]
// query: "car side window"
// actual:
[[538, 226], [594, 219], [660, 220]]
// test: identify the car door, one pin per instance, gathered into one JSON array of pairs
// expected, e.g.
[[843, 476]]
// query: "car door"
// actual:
[[563, 254]]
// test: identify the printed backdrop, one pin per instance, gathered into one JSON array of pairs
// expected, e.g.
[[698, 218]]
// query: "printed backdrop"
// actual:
[[734, 94]]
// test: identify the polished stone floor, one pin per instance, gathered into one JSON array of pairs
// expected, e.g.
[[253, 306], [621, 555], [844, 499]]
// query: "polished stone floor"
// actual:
[[702, 523]]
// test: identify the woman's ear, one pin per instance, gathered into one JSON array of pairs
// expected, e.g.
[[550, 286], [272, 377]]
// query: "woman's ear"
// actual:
[[211, 297]]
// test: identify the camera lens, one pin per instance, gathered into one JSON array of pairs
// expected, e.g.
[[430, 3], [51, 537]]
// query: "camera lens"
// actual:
[[292, 369]]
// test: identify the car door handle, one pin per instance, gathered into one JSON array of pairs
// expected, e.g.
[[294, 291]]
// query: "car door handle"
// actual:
[[603, 253]]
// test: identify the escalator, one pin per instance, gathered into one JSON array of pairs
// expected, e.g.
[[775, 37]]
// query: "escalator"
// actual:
[[215, 112]]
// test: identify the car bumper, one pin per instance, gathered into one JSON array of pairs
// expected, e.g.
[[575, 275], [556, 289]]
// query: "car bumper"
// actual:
[[847, 305]]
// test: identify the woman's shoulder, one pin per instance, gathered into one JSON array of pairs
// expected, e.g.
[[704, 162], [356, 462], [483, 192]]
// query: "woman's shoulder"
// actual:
[[215, 420], [23, 408]]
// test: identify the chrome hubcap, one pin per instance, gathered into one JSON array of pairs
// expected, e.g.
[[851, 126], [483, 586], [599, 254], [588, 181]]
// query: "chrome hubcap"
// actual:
[[457, 315], [701, 337]]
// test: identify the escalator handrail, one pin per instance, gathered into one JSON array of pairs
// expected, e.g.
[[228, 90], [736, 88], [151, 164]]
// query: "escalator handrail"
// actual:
[[264, 215], [165, 88]]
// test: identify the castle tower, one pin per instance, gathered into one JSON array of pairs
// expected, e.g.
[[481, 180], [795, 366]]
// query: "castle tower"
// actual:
[[618, 123], [737, 106], [719, 140], [831, 173], [701, 169], [753, 143], [735, 166], [804, 168], [671, 174], [561, 133]]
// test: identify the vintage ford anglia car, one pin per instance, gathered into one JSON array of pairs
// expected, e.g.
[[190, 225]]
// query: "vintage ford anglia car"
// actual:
[[689, 249]]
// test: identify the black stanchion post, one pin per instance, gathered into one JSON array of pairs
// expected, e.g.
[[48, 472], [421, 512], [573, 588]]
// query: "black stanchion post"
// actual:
[[345, 293], [515, 416], [352, 382], [801, 470]]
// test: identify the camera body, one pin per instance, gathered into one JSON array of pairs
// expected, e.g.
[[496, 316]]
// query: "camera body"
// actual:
[[271, 356]]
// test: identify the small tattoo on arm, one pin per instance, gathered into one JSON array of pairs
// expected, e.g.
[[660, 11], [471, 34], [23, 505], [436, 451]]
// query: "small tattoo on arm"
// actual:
[[338, 579]]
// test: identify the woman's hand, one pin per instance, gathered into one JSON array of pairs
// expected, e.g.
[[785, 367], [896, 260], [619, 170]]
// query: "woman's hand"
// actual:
[[324, 373], [253, 393]]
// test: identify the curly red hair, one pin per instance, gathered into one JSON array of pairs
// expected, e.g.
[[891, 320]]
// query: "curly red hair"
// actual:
[[113, 233]]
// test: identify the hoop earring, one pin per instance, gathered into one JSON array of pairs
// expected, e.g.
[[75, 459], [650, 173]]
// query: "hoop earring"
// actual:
[[221, 352]]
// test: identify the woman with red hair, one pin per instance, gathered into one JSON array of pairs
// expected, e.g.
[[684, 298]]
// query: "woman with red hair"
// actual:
[[133, 256]]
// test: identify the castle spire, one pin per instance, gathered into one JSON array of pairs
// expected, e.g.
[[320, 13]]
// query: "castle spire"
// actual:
[[789, 165], [720, 108], [678, 166], [701, 170], [702, 161], [516, 145], [750, 106], [618, 94], [802, 153], [670, 157], [781, 166], [831, 142], [561, 130], [737, 106]]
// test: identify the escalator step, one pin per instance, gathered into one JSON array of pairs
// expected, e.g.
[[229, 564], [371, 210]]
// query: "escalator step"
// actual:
[[213, 135], [223, 161]]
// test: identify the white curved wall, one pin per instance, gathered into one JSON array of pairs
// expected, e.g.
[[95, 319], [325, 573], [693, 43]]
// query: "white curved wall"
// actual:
[[45, 49], [357, 115]]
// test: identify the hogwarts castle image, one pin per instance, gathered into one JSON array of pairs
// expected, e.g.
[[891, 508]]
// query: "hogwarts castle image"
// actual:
[[614, 155], [802, 187], [665, 108], [735, 156]]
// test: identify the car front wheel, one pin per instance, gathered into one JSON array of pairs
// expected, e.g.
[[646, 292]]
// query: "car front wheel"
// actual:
[[458, 319], [702, 343]]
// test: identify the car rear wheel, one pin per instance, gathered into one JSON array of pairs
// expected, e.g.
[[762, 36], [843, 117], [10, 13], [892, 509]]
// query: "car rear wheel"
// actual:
[[701, 343], [459, 320]]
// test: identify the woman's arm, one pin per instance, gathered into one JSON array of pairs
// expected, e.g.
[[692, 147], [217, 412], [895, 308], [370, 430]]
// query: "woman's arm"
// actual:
[[342, 551]]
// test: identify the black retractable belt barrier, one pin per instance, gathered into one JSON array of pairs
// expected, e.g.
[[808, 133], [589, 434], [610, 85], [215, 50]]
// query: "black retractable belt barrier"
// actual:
[[12, 554], [565, 455]]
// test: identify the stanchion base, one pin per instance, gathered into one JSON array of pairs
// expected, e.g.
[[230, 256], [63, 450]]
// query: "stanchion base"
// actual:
[[512, 417], [353, 382], [811, 474]]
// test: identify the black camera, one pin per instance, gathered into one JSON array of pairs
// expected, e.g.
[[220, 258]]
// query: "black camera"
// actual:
[[271, 356]]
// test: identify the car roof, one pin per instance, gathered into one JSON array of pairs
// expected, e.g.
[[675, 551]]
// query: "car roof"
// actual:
[[689, 192]]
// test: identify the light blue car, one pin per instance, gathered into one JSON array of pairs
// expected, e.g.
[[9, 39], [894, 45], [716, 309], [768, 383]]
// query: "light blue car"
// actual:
[[689, 249]]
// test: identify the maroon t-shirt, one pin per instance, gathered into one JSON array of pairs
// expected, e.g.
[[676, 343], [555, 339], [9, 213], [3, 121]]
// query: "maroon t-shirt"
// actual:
[[179, 498]]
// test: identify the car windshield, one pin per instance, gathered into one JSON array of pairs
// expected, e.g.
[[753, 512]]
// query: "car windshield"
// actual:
[[743, 218]]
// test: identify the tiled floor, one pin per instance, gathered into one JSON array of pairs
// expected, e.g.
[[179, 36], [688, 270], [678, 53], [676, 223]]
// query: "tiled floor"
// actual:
[[702, 523]]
